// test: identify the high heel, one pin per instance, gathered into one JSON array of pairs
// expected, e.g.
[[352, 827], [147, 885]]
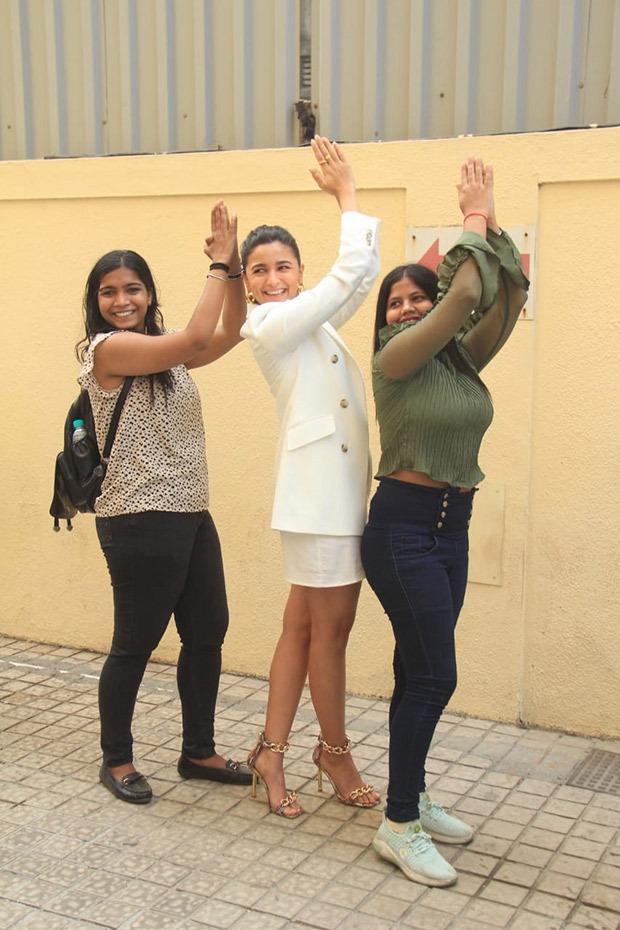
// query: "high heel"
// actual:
[[285, 803], [356, 797]]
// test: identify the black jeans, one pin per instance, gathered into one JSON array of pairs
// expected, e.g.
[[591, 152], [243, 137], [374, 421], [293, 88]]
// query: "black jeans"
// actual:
[[161, 564], [415, 555]]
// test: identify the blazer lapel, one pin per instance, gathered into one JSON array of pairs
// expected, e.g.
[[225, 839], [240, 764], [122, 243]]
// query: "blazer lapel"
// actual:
[[333, 334], [354, 368]]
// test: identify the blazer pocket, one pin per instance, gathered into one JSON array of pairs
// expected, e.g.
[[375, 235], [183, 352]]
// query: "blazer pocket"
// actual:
[[309, 431]]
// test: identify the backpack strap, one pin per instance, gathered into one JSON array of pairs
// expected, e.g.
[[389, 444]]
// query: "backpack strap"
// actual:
[[109, 442]]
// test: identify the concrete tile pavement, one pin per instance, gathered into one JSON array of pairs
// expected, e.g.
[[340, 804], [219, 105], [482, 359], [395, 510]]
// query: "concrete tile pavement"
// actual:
[[546, 856]]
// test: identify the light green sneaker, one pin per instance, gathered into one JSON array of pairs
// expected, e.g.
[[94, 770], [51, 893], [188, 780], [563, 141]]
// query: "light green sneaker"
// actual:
[[441, 825], [414, 853]]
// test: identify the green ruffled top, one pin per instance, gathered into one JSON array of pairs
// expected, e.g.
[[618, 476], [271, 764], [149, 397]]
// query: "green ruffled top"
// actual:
[[433, 421]]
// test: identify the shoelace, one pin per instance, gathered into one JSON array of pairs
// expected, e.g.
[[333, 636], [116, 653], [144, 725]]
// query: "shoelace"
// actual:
[[418, 839], [434, 808]]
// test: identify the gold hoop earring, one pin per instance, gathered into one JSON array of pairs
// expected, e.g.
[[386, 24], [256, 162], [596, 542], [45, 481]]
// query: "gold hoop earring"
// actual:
[[300, 288], [250, 298]]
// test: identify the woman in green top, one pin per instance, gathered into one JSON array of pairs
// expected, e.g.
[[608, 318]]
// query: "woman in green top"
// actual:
[[432, 337]]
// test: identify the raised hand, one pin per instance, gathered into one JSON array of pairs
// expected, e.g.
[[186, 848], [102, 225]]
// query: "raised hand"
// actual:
[[221, 245], [333, 173], [476, 188]]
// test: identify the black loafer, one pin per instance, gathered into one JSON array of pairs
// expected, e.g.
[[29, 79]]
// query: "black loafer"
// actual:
[[235, 773], [133, 787]]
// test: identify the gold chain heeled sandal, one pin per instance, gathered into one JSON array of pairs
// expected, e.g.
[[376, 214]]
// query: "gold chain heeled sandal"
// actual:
[[286, 803], [355, 797]]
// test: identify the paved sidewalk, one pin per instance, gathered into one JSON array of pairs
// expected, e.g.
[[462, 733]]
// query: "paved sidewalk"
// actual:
[[546, 856]]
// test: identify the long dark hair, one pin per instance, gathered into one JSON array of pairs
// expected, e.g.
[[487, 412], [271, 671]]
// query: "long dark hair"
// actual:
[[428, 282], [94, 323], [263, 235]]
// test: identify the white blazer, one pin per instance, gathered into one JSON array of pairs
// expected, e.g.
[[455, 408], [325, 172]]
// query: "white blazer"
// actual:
[[323, 468]]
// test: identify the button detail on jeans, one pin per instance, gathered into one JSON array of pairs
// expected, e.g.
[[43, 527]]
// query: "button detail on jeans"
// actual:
[[443, 513], [344, 402], [439, 525], [344, 447], [334, 359]]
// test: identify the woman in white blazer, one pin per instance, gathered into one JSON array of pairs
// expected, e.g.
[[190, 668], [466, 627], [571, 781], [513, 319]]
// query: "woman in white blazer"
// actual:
[[322, 476]]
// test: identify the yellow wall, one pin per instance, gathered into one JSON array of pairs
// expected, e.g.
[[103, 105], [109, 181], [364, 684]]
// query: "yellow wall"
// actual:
[[542, 646]]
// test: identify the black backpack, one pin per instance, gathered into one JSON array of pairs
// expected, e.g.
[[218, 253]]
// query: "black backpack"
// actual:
[[80, 469]]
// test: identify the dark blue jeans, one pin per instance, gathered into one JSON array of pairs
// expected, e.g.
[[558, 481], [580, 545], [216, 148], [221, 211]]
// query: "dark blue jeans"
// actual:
[[160, 564], [415, 555]]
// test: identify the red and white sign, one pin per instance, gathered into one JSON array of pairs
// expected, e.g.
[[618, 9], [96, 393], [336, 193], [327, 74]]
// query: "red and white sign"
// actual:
[[427, 245]]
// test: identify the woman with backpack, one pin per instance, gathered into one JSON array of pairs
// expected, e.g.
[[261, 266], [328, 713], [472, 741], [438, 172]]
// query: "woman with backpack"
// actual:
[[153, 523]]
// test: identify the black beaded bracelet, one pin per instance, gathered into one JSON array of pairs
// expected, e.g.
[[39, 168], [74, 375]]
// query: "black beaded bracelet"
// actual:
[[237, 274], [222, 266]]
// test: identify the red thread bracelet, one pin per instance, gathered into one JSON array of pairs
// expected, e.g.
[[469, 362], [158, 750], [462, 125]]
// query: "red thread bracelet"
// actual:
[[475, 213]]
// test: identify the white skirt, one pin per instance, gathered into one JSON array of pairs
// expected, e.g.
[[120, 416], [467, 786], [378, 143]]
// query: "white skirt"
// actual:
[[321, 561]]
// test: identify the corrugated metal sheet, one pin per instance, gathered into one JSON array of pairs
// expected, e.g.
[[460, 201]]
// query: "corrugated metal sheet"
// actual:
[[94, 77], [439, 68]]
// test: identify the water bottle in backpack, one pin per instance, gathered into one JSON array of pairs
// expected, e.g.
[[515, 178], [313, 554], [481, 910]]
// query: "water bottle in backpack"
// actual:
[[79, 431]]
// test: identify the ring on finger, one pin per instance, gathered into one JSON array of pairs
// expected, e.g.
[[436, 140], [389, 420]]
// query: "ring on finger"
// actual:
[[328, 157]]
